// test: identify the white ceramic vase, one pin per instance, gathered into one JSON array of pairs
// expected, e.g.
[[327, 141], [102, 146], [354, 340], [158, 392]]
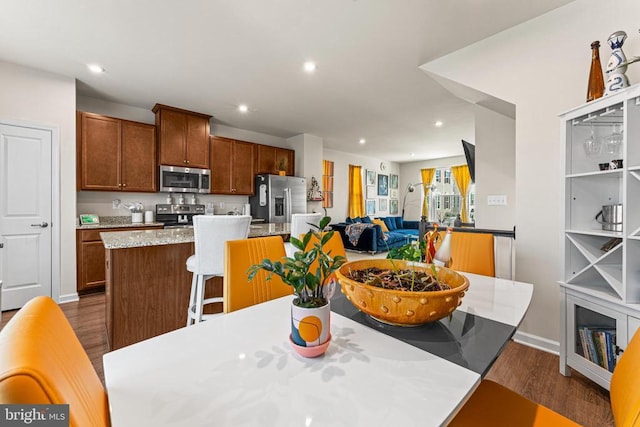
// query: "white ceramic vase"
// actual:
[[310, 327]]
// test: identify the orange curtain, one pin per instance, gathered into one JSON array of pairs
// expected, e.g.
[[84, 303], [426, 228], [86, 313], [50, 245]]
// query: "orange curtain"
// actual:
[[427, 177], [356, 198], [327, 184], [463, 178]]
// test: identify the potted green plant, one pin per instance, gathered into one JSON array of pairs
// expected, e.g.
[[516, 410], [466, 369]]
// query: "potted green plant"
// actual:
[[310, 273]]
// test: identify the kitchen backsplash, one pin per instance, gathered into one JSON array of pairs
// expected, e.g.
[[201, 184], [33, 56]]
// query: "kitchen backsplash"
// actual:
[[101, 202]]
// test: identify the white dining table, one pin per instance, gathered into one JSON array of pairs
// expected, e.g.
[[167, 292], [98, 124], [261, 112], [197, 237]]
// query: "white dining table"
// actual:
[[239, 369]]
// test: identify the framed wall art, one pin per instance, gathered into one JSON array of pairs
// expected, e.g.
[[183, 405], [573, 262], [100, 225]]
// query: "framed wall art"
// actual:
[[371, 177], [383, 205], [371, 191], [393, 207], [393, 181], [370, 207], [383, 185], [393, 193]]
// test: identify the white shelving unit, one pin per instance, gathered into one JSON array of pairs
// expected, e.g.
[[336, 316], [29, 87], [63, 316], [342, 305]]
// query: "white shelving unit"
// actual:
[[600, 289]]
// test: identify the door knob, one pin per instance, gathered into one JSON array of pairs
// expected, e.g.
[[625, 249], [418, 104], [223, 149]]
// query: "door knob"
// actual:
[[43, 225]]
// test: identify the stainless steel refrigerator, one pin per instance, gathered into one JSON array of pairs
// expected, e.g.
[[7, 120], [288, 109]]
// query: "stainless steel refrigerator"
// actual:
[[277, 197]]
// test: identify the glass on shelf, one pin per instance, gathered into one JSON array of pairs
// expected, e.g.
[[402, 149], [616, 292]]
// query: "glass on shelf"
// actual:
[[613, 142], [593, 145]]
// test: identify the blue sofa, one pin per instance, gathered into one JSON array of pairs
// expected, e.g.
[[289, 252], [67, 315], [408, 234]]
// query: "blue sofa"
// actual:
[[372, 240]]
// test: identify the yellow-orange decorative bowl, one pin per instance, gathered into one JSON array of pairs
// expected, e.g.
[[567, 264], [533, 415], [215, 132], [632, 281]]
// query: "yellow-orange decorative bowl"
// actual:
[[403, 308]]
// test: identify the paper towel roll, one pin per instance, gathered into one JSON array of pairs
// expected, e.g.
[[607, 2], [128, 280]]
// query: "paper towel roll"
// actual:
[[247, 209]]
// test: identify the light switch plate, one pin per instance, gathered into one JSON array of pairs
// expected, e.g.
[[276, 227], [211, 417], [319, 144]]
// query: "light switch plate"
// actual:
[[497, 200]]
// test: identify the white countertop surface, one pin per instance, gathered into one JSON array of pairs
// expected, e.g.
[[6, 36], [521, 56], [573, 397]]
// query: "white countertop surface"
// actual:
[[239, 370]]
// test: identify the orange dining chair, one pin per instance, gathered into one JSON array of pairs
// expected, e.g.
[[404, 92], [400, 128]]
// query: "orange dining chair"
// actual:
[[42, 362], [494, 405], [239, 292], [472, 253], [333, 247]]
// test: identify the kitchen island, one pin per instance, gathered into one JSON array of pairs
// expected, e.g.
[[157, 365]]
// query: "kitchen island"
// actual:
[[147, 282]]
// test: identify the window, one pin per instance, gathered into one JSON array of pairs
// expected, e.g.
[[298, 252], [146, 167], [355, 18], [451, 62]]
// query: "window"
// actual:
[[456, 203], [439, 202], [447, 202], [447, 176], [438, 175], [327, 184]]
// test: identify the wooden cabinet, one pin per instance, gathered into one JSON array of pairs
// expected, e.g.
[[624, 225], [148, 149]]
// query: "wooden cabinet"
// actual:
[[268, 157], [115, 154], [90, 258], [183, 137], [232, 166], [600, 287]]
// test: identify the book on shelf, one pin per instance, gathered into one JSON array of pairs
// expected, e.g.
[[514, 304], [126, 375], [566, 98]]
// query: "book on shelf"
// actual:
[[598, 345]]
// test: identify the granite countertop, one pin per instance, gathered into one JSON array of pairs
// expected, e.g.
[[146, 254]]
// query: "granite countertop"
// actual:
[[118, 222], [170, 236]]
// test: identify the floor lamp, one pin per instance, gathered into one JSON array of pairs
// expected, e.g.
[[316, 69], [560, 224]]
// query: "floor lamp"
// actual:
[[410, 189]]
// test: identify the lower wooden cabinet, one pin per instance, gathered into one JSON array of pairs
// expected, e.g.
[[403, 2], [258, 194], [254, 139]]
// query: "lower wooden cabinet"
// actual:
[[90, 256]]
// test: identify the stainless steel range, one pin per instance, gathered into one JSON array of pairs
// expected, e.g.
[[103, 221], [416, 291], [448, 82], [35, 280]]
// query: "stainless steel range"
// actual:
[[173, 216]]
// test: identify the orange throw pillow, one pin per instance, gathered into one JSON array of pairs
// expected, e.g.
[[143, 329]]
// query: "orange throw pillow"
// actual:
[[381, 224]]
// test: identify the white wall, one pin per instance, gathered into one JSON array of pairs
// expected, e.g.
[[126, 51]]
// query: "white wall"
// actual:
[[309, 162], [410, 174], [542, 67], [39, 97], [495, 169], [342, 161]]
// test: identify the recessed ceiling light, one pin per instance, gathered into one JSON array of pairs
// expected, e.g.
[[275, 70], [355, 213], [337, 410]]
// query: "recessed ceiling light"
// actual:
[[362, 140], [243, 108], [438, 123], [95, 68], [310, 66], [413, 154]]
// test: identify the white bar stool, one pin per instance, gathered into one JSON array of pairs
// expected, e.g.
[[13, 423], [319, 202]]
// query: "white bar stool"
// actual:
[[210, 233], [300, 224]]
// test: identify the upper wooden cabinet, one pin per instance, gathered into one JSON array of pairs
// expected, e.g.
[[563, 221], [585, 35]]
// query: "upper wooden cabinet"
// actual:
[[268, 157], [232, 166], [115, 154], [183, 137]]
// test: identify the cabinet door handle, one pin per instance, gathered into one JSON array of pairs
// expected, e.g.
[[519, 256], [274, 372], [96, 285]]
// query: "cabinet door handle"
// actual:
[[124, 185]]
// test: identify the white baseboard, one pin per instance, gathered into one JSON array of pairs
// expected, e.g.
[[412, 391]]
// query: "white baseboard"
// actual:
[[68, 298], [535, 341]]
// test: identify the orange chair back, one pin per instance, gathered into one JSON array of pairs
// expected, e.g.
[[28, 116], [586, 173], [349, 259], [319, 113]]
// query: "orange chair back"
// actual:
[[333, 247], [625, 386], [472, 253], [42, 362], [239, 256]]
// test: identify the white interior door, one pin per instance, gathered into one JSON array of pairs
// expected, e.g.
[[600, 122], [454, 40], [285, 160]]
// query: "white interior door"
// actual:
[[25, 214]]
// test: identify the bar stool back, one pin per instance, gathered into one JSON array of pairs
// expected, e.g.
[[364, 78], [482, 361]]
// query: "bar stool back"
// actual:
[[210, 234], [300, 225]]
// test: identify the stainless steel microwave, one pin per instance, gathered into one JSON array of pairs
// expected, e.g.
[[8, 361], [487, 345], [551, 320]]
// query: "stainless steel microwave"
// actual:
[[185, 180]]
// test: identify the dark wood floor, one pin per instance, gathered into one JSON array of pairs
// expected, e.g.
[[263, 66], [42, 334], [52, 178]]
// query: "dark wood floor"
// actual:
[[530, 372]]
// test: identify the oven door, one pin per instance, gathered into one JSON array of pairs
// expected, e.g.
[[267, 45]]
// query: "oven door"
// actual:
[[186, 180]]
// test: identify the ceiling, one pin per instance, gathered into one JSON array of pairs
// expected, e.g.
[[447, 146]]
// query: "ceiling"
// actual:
[[210, 56]]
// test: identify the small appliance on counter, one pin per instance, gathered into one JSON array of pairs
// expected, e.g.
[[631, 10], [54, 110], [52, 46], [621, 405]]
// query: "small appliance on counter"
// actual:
[[173, 216]]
